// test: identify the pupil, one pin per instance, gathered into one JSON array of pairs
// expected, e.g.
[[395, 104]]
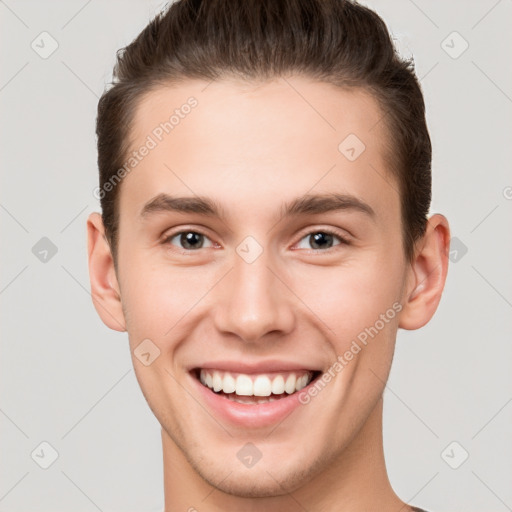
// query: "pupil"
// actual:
[[190, 239], [321, 240]]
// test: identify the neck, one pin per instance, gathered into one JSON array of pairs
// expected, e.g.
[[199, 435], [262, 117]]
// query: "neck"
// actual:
[[357, 480]]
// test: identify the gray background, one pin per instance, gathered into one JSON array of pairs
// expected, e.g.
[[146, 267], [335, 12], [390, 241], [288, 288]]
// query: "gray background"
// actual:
[[67, 379]]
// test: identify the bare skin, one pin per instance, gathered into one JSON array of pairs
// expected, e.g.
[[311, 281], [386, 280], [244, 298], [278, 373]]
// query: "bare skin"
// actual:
[[251, 148]]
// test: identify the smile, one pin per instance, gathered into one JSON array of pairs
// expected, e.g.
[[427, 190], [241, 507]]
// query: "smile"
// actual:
[[251, 389]]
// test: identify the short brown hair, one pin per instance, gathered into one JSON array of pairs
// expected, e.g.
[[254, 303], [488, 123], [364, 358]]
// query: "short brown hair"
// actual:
[[332, 41]]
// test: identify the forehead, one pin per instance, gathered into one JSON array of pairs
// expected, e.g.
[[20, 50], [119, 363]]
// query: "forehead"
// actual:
[[241, 142]]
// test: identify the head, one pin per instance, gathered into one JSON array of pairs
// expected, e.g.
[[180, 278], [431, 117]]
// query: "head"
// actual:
[[276, 220]]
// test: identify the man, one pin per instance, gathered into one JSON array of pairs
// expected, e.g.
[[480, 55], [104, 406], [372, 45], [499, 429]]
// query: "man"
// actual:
[[265, 184]]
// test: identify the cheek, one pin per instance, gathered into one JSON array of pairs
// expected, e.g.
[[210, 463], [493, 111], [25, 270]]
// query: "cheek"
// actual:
[[348, 300], [157, 296]]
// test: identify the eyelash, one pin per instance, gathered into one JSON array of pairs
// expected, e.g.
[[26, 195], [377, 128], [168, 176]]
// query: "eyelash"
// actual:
[[343, 240]]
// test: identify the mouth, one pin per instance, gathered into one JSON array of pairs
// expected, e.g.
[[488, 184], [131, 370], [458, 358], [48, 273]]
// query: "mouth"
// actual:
[[254, 389]]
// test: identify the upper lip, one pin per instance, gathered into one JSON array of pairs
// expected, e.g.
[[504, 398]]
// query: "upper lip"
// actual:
[[255, 367]]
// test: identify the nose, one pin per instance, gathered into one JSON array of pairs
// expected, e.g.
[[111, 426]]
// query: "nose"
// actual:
[[254, 302]]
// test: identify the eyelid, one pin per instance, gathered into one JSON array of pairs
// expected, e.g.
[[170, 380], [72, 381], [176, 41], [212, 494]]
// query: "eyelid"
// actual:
[[177, 230]]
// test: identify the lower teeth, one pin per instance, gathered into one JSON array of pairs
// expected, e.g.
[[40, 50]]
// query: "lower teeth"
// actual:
[[253, 400]]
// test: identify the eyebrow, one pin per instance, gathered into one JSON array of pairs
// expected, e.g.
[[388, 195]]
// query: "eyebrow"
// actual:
[[309, 204]]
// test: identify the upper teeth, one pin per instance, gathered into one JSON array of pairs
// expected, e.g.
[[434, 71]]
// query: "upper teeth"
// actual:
[[254, 385]]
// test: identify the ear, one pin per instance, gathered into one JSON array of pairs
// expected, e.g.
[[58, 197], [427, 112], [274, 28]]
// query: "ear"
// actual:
[[427, 275], [105, 292]]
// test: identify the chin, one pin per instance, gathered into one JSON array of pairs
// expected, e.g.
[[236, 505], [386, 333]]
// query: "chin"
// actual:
[[249, 484], [263, 480]]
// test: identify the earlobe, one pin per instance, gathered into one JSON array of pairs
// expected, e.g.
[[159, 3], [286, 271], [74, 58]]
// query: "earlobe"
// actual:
[[105, 290], [427, 275]]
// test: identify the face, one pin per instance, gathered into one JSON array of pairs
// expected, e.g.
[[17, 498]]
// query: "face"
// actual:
[[256, 281]]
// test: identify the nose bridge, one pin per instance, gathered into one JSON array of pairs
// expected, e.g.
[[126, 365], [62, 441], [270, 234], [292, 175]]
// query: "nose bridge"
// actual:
[[253, 301]]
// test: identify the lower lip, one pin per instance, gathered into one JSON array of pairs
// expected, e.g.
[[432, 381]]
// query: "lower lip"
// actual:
[[249, 415]]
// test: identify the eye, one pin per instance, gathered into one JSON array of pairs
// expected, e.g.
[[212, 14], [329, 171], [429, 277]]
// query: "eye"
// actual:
[[323, 239], [189, 240]]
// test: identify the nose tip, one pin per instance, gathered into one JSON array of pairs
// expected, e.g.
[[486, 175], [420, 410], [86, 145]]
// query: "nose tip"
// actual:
[[253, 303]]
